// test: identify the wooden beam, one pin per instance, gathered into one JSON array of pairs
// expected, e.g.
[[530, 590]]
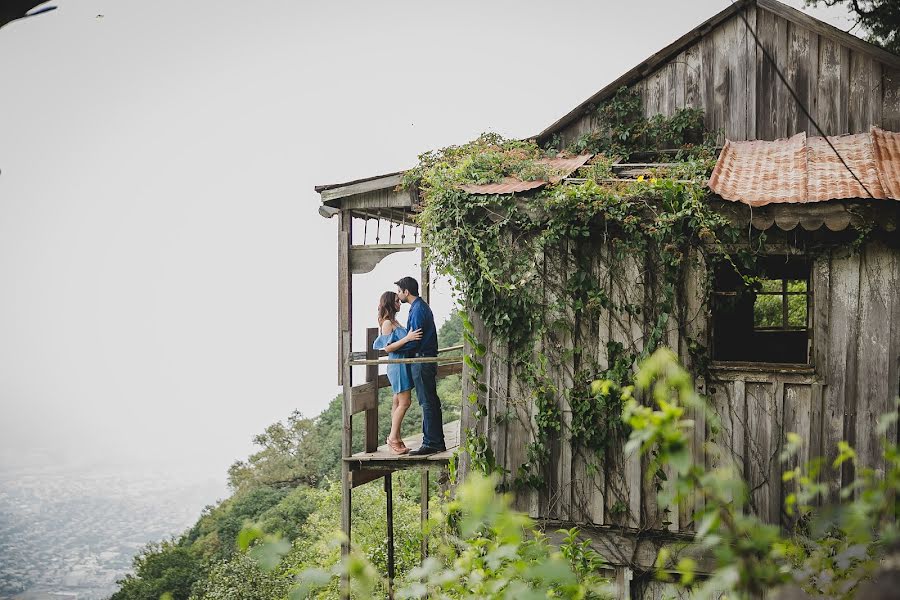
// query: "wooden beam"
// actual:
[[405, 361], [361, 187], [629, 547], [363, 400], [360, 477], [365, 258], [365, 395]]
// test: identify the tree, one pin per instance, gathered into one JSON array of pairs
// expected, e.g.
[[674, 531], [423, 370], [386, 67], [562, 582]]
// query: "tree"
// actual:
[[164, 568], [879, 18]]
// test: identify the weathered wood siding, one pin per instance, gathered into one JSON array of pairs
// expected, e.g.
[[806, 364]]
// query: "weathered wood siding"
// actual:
[[844, 88], [854, 378]]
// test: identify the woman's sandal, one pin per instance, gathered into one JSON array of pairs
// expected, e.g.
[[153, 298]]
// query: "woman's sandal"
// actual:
[[397, 448]]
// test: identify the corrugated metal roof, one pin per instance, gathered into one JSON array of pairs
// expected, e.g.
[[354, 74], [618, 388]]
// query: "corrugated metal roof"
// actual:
[[801, 169], [564, 166]]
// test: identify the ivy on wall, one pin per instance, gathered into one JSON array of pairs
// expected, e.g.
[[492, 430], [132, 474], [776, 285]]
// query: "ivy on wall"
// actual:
[[527, 264]]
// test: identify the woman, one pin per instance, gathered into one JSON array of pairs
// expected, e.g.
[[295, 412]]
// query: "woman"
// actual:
[[393, 337]]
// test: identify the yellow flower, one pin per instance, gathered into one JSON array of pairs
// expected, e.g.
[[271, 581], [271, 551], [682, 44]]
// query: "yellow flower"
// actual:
[[653, 180], [640, 178]]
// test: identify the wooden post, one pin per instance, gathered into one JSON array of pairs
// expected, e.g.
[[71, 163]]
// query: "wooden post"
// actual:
[[424, 514], [389, 497], [345, 325], [371, 437]]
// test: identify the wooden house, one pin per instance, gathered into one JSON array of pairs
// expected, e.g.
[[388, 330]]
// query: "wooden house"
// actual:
[[760, 71]]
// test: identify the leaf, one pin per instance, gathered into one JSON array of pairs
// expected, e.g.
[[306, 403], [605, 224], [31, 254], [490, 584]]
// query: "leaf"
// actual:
[[247, 536], [269, 553]]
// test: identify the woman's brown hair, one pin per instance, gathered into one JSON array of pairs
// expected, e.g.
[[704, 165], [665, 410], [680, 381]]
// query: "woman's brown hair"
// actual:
[[387, 307]]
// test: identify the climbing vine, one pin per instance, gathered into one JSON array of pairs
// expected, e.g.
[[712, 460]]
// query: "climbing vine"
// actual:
[[528, 264]]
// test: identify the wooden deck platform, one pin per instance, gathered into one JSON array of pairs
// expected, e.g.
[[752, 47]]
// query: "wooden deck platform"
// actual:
[[384, 459]]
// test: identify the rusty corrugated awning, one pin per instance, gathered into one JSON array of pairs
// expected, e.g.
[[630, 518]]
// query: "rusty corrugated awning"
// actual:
[[564, 166], [801, 170]]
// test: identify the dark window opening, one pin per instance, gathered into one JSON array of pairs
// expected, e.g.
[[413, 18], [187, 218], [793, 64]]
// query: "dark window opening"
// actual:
[[763, 316]]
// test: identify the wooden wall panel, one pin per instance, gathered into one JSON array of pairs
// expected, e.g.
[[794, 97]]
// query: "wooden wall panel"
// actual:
[[890, 107], [693, 76], [863, 96], [771, 108], [798, 412], [800, 69], [840, 390], [878, 291], [833, 88]]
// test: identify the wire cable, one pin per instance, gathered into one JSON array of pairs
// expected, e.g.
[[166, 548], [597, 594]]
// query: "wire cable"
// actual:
[[797, 99]]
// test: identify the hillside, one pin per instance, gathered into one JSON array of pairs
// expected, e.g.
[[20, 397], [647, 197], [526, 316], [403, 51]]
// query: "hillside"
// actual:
[[289, 487]]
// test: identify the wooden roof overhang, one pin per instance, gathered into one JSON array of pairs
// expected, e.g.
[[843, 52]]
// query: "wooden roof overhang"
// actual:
[[373, 197]]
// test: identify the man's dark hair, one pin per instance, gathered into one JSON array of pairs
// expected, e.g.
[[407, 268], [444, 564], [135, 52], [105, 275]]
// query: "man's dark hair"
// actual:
[[409, 284]]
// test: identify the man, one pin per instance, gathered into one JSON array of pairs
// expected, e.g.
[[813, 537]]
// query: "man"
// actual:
[[423, 374]]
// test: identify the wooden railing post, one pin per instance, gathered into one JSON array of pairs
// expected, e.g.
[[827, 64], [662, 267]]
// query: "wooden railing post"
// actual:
[[371, 440]]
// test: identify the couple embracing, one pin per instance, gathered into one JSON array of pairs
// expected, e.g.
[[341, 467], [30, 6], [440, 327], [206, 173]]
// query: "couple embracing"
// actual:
[[417, 339]]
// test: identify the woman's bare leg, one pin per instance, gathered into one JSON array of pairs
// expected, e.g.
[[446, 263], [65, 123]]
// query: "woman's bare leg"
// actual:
[[398, 411]]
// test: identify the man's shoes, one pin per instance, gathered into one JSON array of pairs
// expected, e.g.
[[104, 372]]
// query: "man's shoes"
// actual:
[[424, 451]]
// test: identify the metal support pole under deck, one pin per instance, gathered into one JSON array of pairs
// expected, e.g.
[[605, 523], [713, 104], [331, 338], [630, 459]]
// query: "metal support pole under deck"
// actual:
[[389, 497], [426, 296], [424, 513]]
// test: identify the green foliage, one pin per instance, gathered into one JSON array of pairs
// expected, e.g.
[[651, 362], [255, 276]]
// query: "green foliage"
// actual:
[[526, 264], [486, 550], [832, 549], [163, 568], [622, 128]]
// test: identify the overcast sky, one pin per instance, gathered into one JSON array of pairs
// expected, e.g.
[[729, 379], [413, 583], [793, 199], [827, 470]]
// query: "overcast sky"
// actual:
[[168, 288]]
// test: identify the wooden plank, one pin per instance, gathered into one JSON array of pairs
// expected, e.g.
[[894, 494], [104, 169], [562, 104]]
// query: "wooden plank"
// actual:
[[364, 260], [821, 288], [362, 476], [890, 105], [767, 82], [696, 326], [735, 79], [370, 438], [751, 14], [798, 412], [763, 427], [813, 105], [693, 76], [383, 458], [499, 391], [862, 96], [828, 108], [875, 87], [875, 392], [351, 189], [714, 110], [730, 403], [363, 400], [893, 375], [635, 548], [840, 393], [783, 99], [800, 71], [676, 82]]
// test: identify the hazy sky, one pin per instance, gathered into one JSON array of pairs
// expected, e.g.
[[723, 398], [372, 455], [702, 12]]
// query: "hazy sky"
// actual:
[[168, 288]]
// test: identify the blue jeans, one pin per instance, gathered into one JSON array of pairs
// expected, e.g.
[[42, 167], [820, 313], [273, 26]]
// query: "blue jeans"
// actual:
[[423, 375]]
